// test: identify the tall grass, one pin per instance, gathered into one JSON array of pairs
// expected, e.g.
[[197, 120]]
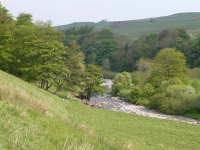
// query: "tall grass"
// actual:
[[32, 118]]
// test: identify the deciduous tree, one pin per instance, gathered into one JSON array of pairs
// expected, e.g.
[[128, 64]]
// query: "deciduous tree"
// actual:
[[168, 64], [92, 81]]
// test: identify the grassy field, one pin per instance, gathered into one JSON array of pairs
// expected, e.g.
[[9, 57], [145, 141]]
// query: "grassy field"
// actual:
[[135, 28], [32, 118]]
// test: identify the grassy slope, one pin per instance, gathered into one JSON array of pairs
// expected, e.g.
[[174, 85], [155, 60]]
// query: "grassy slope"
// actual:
[[32, 118], [135, 28]]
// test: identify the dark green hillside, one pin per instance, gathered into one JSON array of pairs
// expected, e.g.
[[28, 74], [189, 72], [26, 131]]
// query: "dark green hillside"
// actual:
[[135, 28]]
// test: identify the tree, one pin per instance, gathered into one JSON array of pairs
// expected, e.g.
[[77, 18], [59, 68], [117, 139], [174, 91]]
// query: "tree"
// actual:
[[121, 81], [168, 64], [92, 81], [194, 53], [106, 67], [38, 53], [48, 52], [23, 41], [6, 30], [74, 61]]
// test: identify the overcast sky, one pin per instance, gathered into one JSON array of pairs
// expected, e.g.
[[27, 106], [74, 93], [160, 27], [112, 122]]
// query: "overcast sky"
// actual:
[[68, 11]]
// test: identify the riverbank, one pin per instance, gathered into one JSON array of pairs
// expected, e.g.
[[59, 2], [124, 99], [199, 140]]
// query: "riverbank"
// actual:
[[116, 104]]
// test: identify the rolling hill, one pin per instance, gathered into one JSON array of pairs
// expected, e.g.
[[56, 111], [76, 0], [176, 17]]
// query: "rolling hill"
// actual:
[[135, 28], [32, 118]]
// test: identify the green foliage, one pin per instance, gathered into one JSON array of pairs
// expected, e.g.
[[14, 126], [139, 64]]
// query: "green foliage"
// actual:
[[136, 94], [92, 81], [116, 88], [179, 99], [34, 52], [144, 65], [74, 61], [194, 53], [173, 97], [155, 100], [136, 80], [172, 81], [169, 64], [121, 81], [128, 78], [106, 67], [143, 102], [198, 102], [148, 90], [6, 27], [119, 78], [196, 85]]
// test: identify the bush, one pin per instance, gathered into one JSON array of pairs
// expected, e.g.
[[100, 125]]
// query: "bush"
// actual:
[[148, 90], [179, 99], [125, 92], [136, 80], [196, 85], [120, 78], [143, 102], [198, 102], [175, 81], [127, 77], [116, 88], [154, 101], [172, 81], [121, 81], [135, 94]]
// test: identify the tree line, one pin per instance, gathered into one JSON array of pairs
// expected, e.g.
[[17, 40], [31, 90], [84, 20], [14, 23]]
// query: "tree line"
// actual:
[[119, 53], [161, 83]]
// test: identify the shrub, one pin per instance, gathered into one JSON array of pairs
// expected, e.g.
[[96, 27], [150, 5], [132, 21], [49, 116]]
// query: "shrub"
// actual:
[[198, 102], [175, 81], [116, 88], [135, 94], [127, 77], [179, 99], [196, 85], [154, 101], [148, 90], [121, 81], [119, 78], [172, 81], [125, 92], [143, 102], [136, 80]]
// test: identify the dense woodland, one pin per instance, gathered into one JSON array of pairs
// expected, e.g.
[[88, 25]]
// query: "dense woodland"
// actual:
[[121, 54], [73, 59]]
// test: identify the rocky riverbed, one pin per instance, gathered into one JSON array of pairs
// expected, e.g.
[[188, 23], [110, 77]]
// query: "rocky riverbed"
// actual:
[[115, 103]]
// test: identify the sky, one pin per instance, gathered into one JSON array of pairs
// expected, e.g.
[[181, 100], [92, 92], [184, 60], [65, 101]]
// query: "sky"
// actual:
[[62, 12]]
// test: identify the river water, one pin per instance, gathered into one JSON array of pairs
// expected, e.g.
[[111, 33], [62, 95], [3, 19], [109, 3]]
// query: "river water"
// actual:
[[108, 102]]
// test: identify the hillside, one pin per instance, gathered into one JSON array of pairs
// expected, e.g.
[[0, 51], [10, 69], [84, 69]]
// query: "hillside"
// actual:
[[135, 28], [32, 118]]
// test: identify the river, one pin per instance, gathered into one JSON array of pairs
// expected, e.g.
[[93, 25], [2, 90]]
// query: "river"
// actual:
[[108, 102]]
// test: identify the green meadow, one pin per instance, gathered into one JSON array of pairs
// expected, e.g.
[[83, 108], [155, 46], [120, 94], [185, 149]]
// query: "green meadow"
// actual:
[[32, 118]]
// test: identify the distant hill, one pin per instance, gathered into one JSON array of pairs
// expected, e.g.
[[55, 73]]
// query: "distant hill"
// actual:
[[135, 28]]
